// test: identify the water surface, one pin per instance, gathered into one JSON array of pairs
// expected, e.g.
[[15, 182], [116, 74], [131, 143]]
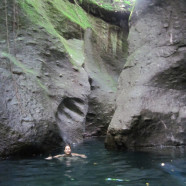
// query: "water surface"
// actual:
[[102, 167]]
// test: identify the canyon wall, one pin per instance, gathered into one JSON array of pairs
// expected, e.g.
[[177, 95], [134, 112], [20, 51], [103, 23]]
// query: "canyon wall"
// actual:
[[151, 98], [58, 74]]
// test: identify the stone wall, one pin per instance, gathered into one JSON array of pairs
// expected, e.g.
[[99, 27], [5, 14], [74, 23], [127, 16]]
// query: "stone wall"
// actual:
[[151, 101], [55, 74]]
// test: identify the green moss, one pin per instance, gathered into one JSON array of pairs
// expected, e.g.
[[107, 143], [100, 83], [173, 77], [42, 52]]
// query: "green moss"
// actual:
[[37, 8], [39, 12], [73, 12], [51, 14], [24, 68], [75, 49], [131, 12], [18, 64]]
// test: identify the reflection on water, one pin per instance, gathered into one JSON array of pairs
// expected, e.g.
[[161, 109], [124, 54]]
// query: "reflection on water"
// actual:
[[102, 167]]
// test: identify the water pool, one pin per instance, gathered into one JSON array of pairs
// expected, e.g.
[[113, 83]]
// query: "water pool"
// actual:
[[102, 167]]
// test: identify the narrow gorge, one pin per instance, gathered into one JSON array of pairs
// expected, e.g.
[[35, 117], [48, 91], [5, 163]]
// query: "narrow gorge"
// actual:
[[74, 69]]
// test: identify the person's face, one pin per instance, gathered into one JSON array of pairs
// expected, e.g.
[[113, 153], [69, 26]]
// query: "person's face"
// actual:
[[67, 150]]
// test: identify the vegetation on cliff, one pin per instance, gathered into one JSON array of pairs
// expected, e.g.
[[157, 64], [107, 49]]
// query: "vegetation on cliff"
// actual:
[[54, 15], [49, 14]]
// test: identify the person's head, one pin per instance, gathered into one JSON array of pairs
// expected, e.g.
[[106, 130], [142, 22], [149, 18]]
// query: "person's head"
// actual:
[[67, 150]]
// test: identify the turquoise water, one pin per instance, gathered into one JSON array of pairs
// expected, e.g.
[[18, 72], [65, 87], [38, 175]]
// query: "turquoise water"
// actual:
[[102, 167]]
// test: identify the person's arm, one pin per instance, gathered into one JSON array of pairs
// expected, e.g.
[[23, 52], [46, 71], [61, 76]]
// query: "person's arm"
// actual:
[[48, 158], [80, 155]]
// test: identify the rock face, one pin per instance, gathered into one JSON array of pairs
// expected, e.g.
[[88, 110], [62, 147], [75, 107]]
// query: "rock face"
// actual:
[[117, 13], [105, 55], [151, 102], [55, 75], [71, 115], [38, 86]]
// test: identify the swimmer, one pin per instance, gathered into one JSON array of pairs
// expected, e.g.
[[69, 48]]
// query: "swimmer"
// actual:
[[68, 153]]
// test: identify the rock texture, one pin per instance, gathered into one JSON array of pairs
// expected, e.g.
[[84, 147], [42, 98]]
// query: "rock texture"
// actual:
[[55, 75], [117, 15], [151, 102], [105, 55], [34, 85]]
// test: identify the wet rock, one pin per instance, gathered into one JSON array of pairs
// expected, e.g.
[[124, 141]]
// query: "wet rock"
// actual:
[[3, 42], [28, 123], [104, 61], [52, 100], [110, 16], [71, 115], [152, 89]]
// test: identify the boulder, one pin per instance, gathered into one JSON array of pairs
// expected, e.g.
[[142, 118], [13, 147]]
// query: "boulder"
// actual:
[[151, 102], [36, 78], [58, 74]]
